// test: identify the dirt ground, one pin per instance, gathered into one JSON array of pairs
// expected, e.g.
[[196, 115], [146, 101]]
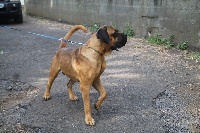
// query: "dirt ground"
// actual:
[[150, 89]]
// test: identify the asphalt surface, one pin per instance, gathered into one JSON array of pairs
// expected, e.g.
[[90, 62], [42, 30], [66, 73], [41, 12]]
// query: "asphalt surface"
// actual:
[[150, 89]]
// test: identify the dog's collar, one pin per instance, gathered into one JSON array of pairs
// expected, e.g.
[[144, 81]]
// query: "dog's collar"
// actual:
[[95, 50]]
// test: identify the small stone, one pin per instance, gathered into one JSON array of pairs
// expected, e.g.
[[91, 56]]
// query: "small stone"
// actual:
[[9, 88]]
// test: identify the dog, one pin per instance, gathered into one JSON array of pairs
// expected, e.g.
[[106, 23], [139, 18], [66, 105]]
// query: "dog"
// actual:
[[85, 64]]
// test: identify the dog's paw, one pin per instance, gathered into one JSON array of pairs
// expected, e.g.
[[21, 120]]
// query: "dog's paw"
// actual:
[[73, 98], [46, 97], [96, 107], [90, 121]]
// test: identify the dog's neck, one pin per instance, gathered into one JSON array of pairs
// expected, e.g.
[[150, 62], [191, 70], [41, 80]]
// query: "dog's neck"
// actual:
[[97, 45], [93, 50]]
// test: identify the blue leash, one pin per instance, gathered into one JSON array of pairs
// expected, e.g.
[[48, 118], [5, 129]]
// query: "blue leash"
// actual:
[[50, 37]]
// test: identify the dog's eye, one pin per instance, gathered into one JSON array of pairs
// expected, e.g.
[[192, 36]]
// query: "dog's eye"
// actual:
[[114, 34]]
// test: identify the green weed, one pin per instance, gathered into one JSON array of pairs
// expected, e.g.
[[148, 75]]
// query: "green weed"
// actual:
[[167, 42], [129, 30], [195, 55], [182, 46], [157, 39]]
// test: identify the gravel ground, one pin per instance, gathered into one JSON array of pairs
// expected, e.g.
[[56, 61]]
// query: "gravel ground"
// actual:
[[150, 89], [180, 107]]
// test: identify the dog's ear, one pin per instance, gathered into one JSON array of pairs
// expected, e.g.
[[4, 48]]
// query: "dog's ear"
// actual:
[[102, 34]]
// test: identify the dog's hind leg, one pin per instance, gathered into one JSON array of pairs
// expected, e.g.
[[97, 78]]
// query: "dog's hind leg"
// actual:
[[72, 96], [99, 87], [54, 70]]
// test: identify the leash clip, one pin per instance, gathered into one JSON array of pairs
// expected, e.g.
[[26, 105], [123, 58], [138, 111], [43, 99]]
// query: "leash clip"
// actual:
[[61, 39]]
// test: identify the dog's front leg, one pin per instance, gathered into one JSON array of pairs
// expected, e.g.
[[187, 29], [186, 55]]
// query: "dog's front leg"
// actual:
[[85, 89], [99, 87]]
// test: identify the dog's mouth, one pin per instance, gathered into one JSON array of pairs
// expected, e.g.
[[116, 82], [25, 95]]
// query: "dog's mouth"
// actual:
[[121, 41]]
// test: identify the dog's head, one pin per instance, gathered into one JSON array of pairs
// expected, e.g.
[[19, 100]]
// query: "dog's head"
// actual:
[[111, 37]]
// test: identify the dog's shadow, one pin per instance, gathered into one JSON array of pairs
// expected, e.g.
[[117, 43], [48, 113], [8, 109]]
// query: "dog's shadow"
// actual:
[[110, 106]]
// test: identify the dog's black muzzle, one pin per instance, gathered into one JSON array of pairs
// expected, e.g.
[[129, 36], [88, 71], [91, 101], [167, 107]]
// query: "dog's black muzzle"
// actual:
[[121, 41]]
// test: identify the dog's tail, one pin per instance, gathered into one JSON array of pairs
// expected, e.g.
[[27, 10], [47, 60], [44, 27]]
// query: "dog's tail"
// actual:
[[70, 33]]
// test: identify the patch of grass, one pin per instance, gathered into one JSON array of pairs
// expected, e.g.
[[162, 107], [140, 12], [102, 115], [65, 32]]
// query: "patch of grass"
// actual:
[[171, 40], [167, 42], [129, 30], [154, 39], [183, 46], [157, 39], [195, 56]]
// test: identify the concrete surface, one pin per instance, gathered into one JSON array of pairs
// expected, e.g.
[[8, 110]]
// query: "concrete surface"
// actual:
[[166, 17], [150, 89]]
